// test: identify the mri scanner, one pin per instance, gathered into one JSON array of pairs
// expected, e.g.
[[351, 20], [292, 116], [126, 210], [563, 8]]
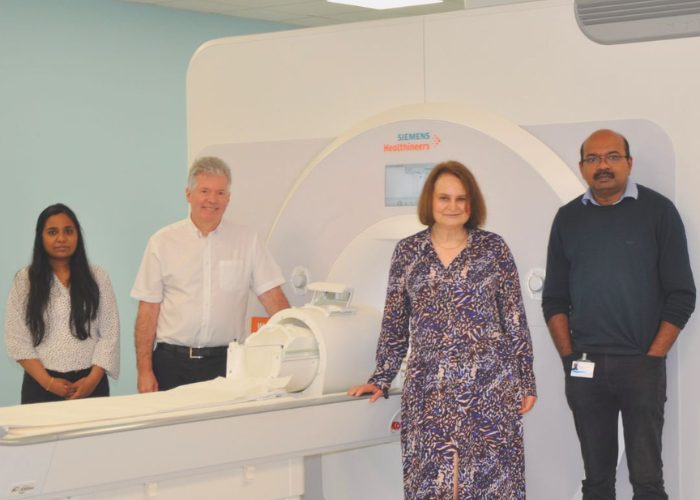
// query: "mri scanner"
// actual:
[[279, 426], [244, 436], [326, 131]]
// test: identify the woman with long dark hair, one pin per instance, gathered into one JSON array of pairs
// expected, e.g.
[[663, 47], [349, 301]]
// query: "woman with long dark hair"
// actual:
[[62, 323]]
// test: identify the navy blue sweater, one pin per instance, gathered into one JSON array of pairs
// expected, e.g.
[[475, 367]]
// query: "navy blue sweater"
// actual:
[[618, 271]]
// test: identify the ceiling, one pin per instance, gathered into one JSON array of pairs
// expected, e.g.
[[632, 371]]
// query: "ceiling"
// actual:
[[311, 13]]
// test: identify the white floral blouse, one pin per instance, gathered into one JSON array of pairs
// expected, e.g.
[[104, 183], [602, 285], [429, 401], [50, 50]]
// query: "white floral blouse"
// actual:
[[60, 350]]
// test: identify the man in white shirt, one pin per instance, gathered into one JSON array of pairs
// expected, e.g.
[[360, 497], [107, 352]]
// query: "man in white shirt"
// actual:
[[193, 286]]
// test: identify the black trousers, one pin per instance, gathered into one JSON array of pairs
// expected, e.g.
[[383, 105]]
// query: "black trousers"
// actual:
[[32, 392], [634, 386], [173, 371]]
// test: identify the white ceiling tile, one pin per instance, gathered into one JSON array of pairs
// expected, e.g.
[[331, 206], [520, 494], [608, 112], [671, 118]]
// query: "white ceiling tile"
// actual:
[[197, 5], [432, 9], [370, 15], [385, 4], [152, 2], [301, 12], [230, 8], [264, 14], [260, 4], [312, 21], [319, 8]]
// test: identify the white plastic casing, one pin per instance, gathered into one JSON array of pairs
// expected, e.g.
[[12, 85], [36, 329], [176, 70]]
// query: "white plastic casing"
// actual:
[[323, 352]]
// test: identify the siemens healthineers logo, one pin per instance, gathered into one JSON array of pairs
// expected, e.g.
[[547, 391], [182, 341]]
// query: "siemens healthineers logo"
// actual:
[[416, 141], [419, 136]]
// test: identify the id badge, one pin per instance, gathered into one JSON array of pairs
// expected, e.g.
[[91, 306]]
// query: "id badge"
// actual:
[[582, 367]]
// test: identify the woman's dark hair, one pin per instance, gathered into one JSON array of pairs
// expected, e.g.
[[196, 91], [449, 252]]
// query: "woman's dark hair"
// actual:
[[84, 292]]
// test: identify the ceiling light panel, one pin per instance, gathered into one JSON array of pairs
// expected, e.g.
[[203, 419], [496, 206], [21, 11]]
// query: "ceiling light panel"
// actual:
[[385, 4]]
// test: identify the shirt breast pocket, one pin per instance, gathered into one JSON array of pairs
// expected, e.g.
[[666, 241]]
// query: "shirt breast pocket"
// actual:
[[231, 275]]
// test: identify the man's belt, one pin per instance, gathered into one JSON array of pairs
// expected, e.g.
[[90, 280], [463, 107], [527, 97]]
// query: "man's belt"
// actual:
[[182, 351]]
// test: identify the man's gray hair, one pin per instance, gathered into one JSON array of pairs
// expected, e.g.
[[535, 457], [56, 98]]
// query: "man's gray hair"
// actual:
[[208, 165]]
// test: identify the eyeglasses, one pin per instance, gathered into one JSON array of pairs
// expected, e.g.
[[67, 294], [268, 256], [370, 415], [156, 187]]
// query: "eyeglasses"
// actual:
[[610, 160]]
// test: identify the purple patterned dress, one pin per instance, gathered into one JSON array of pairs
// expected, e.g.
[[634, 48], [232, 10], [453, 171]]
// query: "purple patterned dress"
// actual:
[[469, 367]]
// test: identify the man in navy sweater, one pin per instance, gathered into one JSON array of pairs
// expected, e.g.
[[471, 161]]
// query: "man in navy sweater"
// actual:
[[619, 289]]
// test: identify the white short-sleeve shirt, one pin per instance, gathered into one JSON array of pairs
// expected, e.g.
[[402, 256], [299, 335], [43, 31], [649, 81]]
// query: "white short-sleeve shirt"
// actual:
[[202, 283]]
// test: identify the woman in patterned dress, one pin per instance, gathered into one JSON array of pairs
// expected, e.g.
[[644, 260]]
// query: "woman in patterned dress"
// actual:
[[454, 295], [62, 323]]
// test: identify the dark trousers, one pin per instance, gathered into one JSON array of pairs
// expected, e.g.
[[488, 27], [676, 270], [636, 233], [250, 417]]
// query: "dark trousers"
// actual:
[[172, 370], [634, 386], [32, 392]]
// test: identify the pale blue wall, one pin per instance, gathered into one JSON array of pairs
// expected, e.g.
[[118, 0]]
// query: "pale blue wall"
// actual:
[[92, 114]]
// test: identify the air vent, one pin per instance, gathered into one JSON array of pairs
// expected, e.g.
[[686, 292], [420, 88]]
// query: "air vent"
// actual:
[[627, 21]]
